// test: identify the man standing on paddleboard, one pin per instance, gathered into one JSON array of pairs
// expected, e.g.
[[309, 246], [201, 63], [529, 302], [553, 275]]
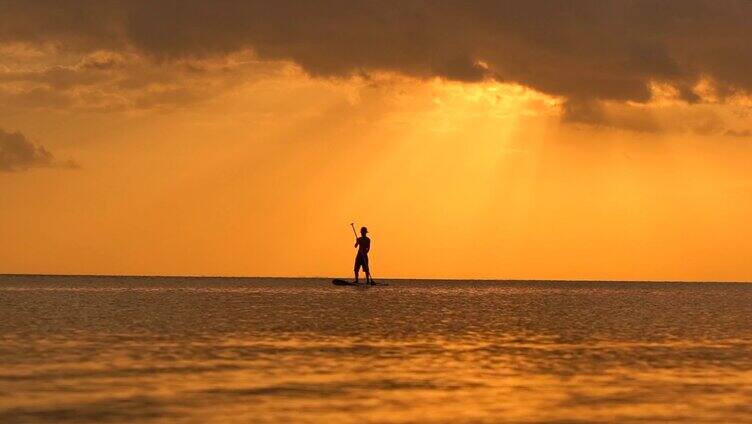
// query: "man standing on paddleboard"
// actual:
[[363, 244]]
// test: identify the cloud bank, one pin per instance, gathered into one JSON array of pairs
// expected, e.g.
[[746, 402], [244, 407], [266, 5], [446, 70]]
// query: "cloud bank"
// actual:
[[17, 153], [589, 49], [586, 52]]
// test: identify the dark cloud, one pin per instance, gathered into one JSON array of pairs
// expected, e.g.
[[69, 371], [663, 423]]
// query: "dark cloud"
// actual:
[[584, 51], [582, 111], [80, 25], [595, 49], [17, 153], [739, 133]]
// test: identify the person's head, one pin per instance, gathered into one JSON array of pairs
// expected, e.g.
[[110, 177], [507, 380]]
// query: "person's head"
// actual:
[[363, 231]]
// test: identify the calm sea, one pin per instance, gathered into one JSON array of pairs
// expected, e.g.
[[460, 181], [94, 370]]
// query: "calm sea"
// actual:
[[195, 350]]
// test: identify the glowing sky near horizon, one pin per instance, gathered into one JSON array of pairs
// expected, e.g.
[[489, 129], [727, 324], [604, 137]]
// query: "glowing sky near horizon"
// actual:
[[122, 152]]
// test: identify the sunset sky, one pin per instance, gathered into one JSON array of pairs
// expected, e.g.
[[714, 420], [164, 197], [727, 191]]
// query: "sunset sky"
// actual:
[[486, 139]]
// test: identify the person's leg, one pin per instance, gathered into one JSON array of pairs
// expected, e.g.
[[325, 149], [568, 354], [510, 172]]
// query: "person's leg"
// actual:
[[367, 270], [357, 270]]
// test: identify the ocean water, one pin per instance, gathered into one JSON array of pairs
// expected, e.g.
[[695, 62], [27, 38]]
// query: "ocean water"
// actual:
[[196, 350]]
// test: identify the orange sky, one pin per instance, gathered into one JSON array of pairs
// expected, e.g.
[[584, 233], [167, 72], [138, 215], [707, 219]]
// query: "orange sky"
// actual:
[[236, 164]]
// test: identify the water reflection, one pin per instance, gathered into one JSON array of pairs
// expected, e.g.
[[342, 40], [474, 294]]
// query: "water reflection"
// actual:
[[83, 349]]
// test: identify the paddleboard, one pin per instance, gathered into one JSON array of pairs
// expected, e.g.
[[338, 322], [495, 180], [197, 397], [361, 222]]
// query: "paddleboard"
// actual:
[[338, 282]]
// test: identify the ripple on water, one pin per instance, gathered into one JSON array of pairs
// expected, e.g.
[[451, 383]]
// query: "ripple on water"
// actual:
[[130, 349]]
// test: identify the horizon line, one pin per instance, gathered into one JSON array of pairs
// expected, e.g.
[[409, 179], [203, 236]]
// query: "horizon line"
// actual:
[[384, 278]]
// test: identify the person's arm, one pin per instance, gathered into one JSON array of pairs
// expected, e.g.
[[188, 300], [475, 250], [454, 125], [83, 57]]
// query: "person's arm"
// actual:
[[357, 241]]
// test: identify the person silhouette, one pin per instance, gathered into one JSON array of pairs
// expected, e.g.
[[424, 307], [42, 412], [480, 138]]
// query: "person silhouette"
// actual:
[[363, 244]]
